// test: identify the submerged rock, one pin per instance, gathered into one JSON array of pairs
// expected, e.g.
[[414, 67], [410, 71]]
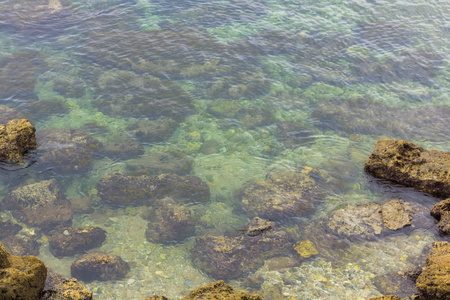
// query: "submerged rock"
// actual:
[[8, 228], [67, 150], [160, 162], [69, 241], [395, 283], [60, 288], [293, 134], [152, 131], [411, 165], [433, 282], [371, 219], [123, 147], [281, 194], [99, 266], [21, 277], [40, 204], [219, 290], [441, 212], [121, 189], [21, 246], [16, 138], [234, 255], [170, 223], [8, 114]]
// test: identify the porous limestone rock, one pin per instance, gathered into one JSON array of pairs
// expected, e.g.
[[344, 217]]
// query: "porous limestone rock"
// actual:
[[16, 138]]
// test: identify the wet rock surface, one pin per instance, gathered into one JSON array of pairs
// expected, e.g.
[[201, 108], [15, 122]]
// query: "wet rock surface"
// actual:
[[170, 223], [99, 266], [160, 162], [411, 165], [371, 219], [433, 282], [123, 147], [21, 246], [219, 290], [152, 131], [60, 288], [8, 228], [8, 114], [16, 138], [40, 204], [67, 150], [282, 194], [22, 277], [234, 255], [395, 283], [121, 189], [69, 241], [441, 212]]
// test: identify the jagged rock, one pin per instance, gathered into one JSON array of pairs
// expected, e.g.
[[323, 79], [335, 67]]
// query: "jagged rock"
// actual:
[[170, 223], [67, 150], [441, 212], [16, 138], [433, 282], [69, 241], [281, 195], [411, 165], [233, 255], [219, 290], [99, 266], [21, 277], [121, 189], [371, 219], [60, 288], [40, 204]]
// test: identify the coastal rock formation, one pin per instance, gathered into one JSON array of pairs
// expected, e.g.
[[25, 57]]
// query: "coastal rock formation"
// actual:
[[152, 131], [21, 277], [281, 195], [40, 204], [371, 219], [69, 241], [60, 288], [16, 138], [21, 246], [122, 147], [99, 266], [219, 290], [234, 255], [433, 282], [160, 162], [67, 150], [441, 212], [411, 165], [170, 223], [121, 189]]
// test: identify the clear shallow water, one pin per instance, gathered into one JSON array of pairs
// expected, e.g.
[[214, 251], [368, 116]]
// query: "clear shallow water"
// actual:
[[249, 87]]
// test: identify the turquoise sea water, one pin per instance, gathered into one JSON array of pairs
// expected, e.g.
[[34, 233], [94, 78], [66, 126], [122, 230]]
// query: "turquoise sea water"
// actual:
[[235, 90]]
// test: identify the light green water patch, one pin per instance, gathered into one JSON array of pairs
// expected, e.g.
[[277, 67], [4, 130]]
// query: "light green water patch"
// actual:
[[219, 217], [233, 32], [225, 174]]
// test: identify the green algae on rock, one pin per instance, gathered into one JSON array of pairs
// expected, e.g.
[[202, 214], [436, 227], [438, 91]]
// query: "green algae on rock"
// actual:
[[411, 165], [69, 241], [22, 277], [99, 266], [16, 138], [433, 282]]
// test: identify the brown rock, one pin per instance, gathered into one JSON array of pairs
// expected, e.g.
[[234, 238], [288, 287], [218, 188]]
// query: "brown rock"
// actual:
[[390, 297], [441, 212], [99, 266], [219, 291], [69, 241], [16, 138], [40, 204], [21, 246], [8, 228], [411, 165], [396, 214], [60, 288], [21, 277], [433, 282], [159, 162], [156, 297]]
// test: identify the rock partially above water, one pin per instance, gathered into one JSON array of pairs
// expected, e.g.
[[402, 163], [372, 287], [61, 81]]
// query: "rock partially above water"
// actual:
[[60, 288], [99, 266], [411, 165], [21, 277], [433, 283], [16, 138], [441, 211], [219, 290]]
